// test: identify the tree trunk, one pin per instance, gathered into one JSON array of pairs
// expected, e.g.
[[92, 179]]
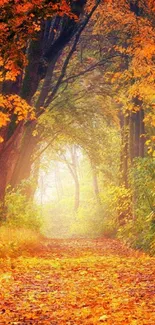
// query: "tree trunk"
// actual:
[[131, 137], [23, 165], [15, 155], [142, 134], [126, 151], [137, 134], [8, 158], [124, 125], [33, 73], [95, 182], [58, 182], [75, 176], [73, 170], [77, 194], [121, 121]]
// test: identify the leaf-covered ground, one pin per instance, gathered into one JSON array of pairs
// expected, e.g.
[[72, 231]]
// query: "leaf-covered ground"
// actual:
[[75, 282]]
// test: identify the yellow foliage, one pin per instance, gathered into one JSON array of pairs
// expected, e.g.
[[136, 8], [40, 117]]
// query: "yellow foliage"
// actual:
[[136, 42], [35, 133], [150, 118]]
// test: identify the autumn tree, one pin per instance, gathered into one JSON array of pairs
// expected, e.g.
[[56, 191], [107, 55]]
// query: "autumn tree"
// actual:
[[32, 68], [129, 29]]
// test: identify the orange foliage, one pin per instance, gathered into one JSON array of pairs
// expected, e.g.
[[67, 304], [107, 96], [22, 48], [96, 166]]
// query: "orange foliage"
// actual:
[[80, 282], [20, 21], [136, 41], [13, 104]]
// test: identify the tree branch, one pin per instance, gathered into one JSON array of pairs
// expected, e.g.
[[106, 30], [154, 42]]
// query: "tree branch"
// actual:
[[91, 68], [73, 48], [43, 150]]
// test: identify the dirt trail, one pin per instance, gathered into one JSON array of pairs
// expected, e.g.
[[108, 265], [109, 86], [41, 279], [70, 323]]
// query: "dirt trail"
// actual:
[[75, 282]]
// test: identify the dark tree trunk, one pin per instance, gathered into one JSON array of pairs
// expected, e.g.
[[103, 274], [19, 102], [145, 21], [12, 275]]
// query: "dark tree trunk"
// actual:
[[15, 158], [137, 134], [124, 127], [131, 137], [139, 129], [121, 121], [126, 151]]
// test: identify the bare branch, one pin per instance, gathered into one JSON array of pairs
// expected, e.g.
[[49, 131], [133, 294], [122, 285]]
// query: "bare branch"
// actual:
[[48, 145], [91, 68]]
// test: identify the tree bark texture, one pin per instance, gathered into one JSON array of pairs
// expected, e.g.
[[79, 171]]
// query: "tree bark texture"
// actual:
[[8, 158], [133, 140]]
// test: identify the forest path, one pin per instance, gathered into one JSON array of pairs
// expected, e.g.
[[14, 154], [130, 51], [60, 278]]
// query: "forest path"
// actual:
[[76, 282]]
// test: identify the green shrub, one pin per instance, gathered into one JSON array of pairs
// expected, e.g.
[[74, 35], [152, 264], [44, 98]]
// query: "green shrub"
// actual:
[[19, 212], [117, 203], [142, 180], [139, 231]]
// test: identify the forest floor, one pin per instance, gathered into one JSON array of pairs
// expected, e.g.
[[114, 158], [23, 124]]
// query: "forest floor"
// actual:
[[76, 282]]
